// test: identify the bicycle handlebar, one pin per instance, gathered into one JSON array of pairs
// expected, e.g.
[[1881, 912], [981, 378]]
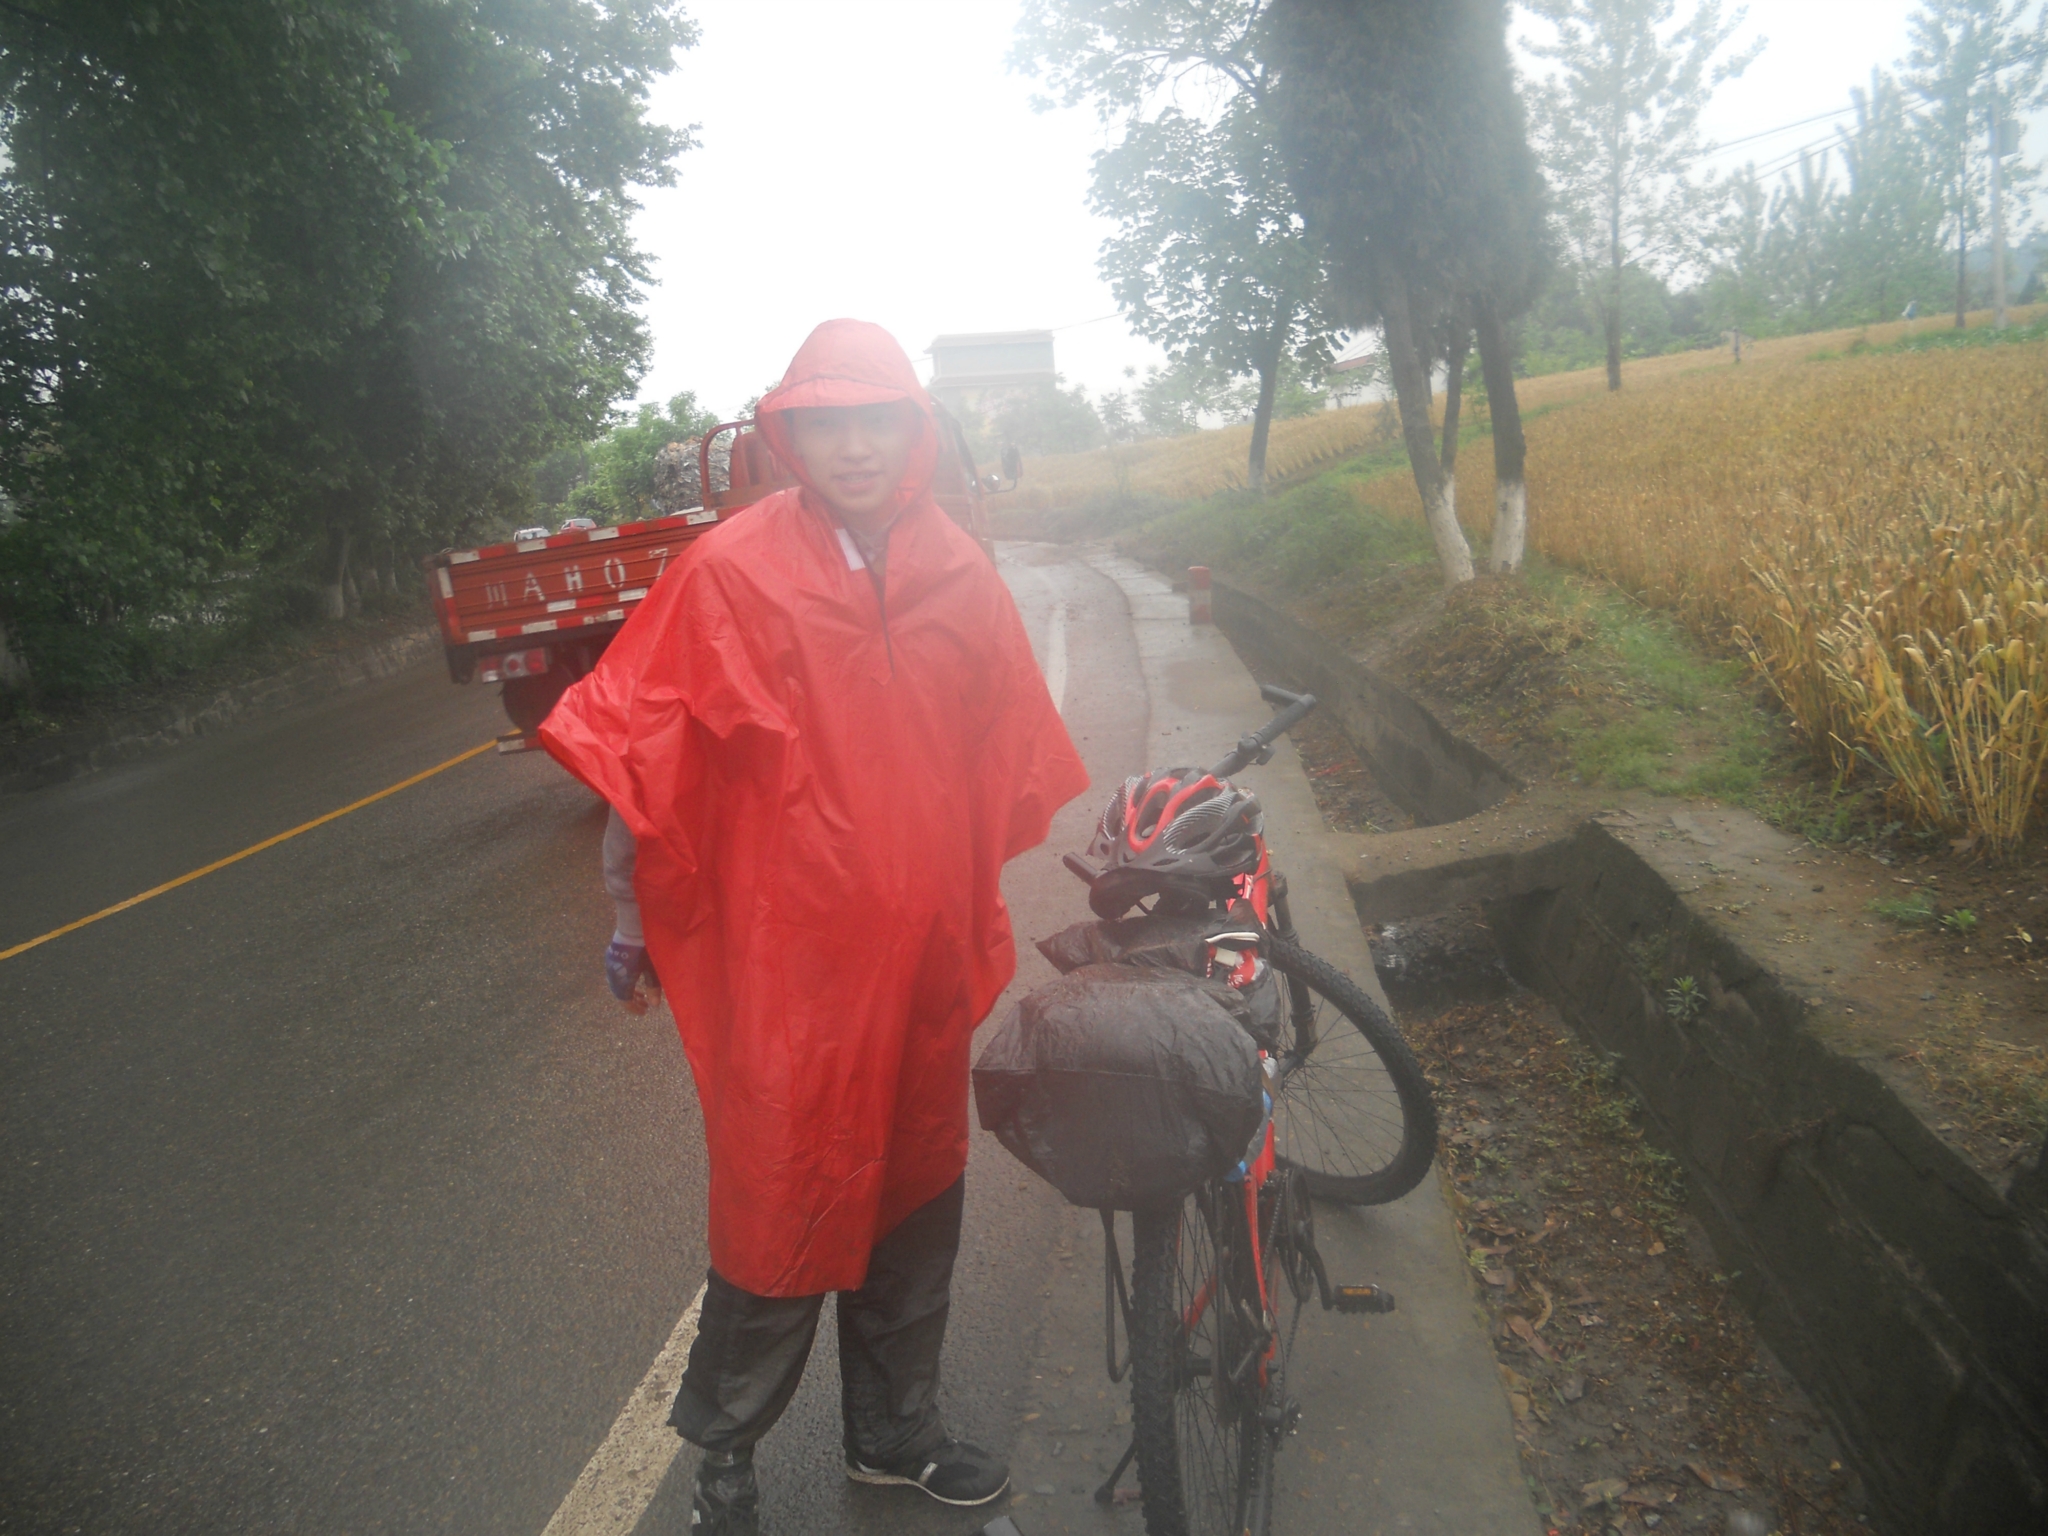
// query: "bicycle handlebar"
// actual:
[[1257, 746]]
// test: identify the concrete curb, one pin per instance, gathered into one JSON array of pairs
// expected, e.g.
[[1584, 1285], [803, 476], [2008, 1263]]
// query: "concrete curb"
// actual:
[[88, 749], [1414, 1404]]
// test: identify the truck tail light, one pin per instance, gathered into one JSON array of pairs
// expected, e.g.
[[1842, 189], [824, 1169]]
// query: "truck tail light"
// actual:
[[495, 669]]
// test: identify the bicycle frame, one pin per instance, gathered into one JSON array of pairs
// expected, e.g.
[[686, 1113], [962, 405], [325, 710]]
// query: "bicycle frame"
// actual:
[[1270, 1198]]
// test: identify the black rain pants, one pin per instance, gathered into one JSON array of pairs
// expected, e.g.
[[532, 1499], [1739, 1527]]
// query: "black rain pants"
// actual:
[[750, 1350]]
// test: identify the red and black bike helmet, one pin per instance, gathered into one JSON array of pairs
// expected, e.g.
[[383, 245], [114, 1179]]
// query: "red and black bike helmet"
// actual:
[[1178, 834]]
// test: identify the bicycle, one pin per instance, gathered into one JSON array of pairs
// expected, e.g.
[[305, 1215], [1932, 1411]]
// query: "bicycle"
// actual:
[[1349, 1118]]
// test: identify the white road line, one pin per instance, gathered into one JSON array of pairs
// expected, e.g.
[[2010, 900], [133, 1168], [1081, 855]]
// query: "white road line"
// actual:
[[1056, 658], [620, 1481]]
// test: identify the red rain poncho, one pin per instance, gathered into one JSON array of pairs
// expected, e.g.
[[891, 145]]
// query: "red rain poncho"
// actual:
[[824, 800]]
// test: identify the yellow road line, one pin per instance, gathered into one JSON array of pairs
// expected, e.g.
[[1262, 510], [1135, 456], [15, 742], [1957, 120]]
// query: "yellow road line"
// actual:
[[236, 858]]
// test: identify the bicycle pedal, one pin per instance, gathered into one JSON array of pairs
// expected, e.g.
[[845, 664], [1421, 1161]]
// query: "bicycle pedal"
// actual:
[[1362, 1298]]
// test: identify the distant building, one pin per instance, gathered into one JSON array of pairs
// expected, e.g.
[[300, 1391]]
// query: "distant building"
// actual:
[[967, 370]]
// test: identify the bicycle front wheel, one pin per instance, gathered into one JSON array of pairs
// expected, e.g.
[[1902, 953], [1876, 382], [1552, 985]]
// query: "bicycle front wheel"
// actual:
[[1355, 1113], [1195, 1430]]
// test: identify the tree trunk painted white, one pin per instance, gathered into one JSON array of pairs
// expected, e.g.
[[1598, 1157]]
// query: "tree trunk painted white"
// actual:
[[1411, 398], [13, 670], [1452, 552], [1451, 496], [1510, 526], [335, 591]]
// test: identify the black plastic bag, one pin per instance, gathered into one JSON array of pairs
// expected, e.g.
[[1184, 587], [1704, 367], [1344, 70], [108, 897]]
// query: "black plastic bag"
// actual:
[[1170, 944], [1164, 943], [1122, 1086]]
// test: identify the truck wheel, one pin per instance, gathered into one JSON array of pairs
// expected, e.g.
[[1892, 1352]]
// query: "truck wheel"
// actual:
[[528, 699]]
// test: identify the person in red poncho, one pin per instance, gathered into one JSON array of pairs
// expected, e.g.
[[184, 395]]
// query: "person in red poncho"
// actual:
[[822, 734]]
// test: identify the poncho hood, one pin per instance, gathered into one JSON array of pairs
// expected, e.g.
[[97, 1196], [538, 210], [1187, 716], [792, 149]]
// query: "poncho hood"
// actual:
[[846, 363]]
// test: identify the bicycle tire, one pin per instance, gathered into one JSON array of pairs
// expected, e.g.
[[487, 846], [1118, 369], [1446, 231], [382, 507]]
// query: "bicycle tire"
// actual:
[[1196, 1436], [1355, 1114]]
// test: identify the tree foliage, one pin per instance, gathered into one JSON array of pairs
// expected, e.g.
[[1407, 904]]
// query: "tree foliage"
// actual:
[[1815, 252], [1210, 258], [1619, 122], [1972, 62], [614, 482], [1405, 139], [299, 286]]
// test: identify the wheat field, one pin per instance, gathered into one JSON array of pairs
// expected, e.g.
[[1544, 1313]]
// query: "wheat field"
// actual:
[[1206, 463], [1869, 528], [1871, 531], [1202, 463]]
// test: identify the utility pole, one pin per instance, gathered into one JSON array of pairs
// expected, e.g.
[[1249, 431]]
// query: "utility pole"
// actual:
[[1997, 211], [2003, 144]]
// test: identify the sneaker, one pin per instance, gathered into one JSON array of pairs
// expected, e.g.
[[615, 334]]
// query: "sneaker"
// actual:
[[954, 1473], [726, 1500]]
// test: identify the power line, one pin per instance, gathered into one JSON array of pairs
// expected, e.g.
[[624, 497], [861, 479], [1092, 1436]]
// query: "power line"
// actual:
[[1766, 133], [1786, 161]]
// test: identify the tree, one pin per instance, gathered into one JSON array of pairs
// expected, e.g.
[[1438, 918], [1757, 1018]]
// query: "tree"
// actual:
[[1974, 62], [1209, 259], [1173, 400], [1741, 288], [1619, 127], [300, 284], [1405, 141], [1887, 225], [1045, 418], [618, 481]]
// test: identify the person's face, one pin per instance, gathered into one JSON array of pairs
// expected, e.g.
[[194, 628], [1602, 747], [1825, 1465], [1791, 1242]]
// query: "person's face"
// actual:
[[854, 456]]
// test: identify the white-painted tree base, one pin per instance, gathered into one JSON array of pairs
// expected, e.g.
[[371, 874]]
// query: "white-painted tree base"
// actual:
[[1452, 552], [1510, 525]]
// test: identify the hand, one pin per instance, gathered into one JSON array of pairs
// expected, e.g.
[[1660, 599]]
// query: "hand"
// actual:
[[630, 974]]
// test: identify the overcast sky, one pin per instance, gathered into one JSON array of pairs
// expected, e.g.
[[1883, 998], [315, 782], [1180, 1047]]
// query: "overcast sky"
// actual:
[[874, 158]]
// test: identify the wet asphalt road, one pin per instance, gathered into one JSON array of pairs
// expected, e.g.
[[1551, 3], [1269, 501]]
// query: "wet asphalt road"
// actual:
[[335, 1193]]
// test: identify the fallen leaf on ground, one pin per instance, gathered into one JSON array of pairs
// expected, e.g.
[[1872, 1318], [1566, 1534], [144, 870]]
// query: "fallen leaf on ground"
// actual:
[[1504, 1278], [1655, 1249], [1720, 1482], [1548, 1306], [1524, 1330], [1650, 1497], [1606, 1491], [1520, 1404], [1590, 1321]]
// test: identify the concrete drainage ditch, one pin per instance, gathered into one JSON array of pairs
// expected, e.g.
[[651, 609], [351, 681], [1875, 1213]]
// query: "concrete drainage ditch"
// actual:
[[1903, 1285]]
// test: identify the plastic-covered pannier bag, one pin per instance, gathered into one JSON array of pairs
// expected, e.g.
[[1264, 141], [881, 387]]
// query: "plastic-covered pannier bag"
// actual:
[[1170, 944], [1123, 1086]]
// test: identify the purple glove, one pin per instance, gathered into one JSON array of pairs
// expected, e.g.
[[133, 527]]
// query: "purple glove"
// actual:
[[624, 966]]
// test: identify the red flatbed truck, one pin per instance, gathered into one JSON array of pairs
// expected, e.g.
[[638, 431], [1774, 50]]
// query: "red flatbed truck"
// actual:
[[535, 614]]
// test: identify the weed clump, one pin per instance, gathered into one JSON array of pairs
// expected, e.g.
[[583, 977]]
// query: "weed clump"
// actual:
[[1998, 1088]]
